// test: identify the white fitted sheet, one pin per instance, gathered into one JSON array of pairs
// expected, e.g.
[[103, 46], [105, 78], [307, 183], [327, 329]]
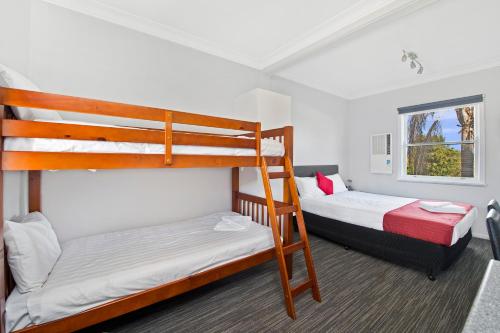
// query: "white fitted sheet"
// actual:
[[368, 210], [269, 147], [97, 269]]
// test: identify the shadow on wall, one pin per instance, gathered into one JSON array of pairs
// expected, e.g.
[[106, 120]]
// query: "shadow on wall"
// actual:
[[251, 182]]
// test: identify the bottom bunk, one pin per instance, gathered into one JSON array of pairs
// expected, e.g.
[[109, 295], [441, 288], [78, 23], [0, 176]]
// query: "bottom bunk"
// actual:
[[402, 250], [116, 270]]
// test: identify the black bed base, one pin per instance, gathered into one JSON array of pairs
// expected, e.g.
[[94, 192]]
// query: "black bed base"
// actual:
[[410, 252]]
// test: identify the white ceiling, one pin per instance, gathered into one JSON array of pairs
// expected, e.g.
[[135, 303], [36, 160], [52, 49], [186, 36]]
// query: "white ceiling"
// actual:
[[451, 37], [350, 48], [253, 29]]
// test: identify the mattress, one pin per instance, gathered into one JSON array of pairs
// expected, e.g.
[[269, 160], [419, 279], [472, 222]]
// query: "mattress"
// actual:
[[368, 210], [98, 269], [269, 147]]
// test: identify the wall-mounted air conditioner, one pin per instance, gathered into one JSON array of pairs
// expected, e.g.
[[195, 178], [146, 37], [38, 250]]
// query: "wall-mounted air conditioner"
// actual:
[[381, 153]]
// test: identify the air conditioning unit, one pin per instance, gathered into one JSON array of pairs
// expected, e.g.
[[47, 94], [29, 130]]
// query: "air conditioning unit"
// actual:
[[381, 153]]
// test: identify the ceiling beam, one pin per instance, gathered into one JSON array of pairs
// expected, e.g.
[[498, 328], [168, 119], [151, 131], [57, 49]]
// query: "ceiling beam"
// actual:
[[360, 16], [128, 20]]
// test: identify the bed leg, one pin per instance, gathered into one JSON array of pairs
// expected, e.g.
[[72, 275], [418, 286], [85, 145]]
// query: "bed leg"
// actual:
[[431, 277], [347, 248]]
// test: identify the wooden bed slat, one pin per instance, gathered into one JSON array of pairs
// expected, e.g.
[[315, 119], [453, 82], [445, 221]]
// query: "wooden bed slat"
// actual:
[[35, 129], [17, 160], [33, 99], [210, 121]]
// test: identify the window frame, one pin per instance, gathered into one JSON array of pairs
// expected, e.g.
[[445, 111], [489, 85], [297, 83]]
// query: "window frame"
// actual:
[[479, 150]]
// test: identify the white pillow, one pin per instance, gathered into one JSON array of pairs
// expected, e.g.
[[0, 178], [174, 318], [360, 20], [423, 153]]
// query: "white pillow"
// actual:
[[9, 78], [338, 183], [32, 250], [308, 187]]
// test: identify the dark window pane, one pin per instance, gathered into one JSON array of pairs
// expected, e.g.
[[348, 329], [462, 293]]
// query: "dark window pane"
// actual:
[[441, 160]]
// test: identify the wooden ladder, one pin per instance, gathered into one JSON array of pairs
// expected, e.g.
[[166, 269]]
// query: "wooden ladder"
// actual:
[[303, 244]]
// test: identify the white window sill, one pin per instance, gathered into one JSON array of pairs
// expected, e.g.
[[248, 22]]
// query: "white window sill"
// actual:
[[442, 180]]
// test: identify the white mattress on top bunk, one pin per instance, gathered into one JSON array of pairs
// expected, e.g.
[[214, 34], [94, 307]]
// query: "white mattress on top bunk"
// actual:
[[368, 210], [97, 269], [269, 147]]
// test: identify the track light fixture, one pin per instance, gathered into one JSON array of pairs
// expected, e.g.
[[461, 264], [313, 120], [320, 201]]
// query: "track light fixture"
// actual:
[[413, 58]]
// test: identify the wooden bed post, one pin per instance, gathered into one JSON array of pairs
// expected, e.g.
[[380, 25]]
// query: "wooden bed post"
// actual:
[[288, 218], [3, 277], [168, 137], [34, 191], [235, 188], [258, 138]]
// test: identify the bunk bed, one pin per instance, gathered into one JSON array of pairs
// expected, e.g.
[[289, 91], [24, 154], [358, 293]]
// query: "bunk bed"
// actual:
[[165, 148]]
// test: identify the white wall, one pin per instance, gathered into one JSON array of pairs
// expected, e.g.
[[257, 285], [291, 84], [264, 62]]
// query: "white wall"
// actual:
[[378, 114], [319, 137], [320, 131], [69, 53]]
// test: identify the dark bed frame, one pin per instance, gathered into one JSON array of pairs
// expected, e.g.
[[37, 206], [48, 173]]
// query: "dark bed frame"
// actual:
[[406, 251]]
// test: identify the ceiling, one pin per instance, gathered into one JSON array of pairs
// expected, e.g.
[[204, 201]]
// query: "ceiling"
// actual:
[[350, 48], [451, 37]]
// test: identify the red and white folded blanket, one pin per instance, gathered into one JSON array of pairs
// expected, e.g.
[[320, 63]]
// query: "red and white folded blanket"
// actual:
[[426, 220], [443, 207]]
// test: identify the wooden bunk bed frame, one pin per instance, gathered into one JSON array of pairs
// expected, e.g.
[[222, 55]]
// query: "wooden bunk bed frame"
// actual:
[[267, 211]]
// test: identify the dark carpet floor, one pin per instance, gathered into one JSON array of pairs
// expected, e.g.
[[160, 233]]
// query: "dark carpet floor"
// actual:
[[360, 294]]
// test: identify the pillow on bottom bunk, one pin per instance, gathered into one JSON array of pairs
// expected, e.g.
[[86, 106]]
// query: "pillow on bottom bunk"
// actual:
[[32, 250]]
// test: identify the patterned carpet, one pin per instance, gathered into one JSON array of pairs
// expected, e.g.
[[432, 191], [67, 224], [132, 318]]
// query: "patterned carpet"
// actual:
[[360, 294]]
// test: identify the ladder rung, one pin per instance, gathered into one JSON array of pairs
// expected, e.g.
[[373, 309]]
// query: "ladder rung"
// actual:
[[293, 247], [275, 175], [286, 210], [301, 288]]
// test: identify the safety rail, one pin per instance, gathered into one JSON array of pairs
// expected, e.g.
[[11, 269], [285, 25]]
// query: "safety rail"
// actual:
[[24, 160]]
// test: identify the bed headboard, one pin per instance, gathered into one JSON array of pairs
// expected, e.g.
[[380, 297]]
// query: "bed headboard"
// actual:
[[310, 170]]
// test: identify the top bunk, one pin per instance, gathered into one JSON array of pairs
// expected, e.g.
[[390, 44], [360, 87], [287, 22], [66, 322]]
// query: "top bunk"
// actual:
[[56, 144]]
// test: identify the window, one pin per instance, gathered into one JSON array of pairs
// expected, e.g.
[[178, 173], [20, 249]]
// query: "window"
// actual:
[[441, 141]]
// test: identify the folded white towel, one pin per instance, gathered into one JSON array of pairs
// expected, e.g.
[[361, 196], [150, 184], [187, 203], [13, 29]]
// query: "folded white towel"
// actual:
[[448, 208], [433, 204], [233, 223]]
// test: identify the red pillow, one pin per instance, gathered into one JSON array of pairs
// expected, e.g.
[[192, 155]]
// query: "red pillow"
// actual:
[[325, 184]]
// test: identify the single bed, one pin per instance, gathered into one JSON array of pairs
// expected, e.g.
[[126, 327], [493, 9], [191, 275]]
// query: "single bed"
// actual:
[[98, 269], [356, 220]]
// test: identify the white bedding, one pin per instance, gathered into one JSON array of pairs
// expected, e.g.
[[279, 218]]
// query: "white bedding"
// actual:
[[368, 210], [97, 269], [269, 147]]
